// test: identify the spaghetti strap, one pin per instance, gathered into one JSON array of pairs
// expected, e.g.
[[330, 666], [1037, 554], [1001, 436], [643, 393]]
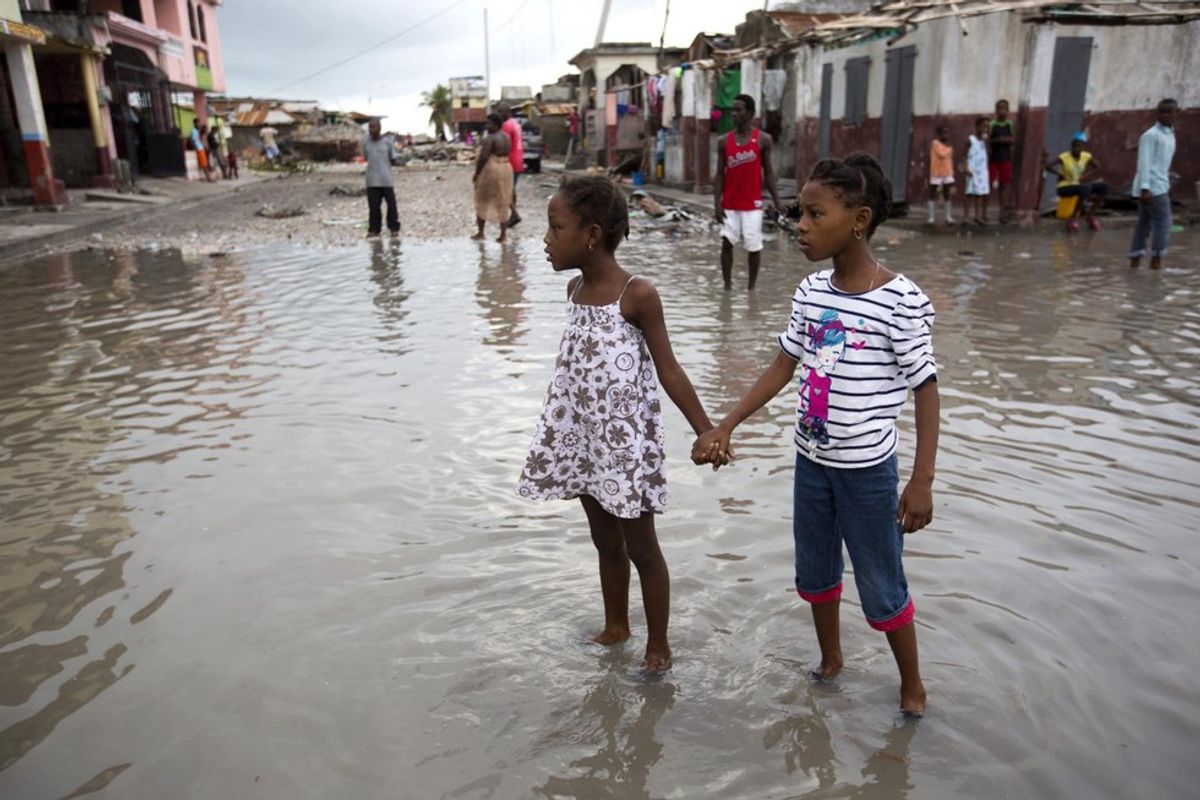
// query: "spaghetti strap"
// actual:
[[575, 291], [626, 286]]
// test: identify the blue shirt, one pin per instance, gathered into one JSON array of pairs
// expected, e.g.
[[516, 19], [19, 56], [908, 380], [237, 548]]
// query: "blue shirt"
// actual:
[[1156, 148]]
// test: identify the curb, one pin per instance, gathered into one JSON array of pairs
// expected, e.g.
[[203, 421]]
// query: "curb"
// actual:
[[31, 246]]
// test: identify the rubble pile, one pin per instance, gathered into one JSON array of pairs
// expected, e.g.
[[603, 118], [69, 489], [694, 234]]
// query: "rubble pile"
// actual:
[[327, 142]]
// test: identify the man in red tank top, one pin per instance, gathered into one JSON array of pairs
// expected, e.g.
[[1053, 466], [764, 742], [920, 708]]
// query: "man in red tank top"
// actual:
[[743, 163]]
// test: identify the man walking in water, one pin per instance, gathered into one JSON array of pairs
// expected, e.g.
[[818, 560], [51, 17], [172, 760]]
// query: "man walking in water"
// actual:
[[377, 150], [743, 161]]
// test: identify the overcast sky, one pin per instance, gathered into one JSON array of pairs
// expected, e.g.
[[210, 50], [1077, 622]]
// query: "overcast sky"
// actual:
[[270, 45]]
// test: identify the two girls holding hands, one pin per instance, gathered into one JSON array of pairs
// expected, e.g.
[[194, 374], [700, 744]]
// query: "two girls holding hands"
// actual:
[[860, 334]]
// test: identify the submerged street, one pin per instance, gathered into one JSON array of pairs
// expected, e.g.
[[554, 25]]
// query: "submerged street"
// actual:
[[260, 514]]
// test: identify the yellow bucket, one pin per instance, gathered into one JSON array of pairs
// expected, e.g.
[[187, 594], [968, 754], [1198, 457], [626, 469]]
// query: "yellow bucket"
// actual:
[[1066, 207]]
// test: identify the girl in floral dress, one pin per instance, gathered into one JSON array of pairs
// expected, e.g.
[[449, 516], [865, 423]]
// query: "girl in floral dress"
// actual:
[[600, 435]]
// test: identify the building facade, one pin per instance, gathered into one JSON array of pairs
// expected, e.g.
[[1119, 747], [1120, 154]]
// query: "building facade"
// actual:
[[887, 96], [116, 81]]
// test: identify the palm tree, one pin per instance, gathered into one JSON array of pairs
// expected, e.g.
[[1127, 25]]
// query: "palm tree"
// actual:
[[440, 103]]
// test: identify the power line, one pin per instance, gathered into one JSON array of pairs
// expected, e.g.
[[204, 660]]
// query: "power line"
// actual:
[[509, 21], [362, 53]]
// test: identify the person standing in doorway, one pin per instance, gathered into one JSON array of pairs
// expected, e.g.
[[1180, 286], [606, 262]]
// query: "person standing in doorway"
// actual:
[[516, 156], [1001, 137], [1152, 185], [270, 145], [377, 151], [573, 131], [743, 163]]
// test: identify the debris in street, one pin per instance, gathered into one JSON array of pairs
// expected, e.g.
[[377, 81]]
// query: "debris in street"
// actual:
[[271, 212]]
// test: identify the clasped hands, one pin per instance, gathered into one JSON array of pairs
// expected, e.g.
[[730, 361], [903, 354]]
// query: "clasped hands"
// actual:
[[712, 447]]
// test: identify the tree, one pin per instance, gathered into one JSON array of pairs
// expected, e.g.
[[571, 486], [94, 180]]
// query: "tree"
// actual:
[[440, 103]]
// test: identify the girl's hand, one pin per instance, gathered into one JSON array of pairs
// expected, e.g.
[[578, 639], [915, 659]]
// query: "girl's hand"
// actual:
[[916, 506], [712, 447]]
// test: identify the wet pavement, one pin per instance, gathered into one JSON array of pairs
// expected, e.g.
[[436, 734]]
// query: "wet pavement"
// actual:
[[259, 537]]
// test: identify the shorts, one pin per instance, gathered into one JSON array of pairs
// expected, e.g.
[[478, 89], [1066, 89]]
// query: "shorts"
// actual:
[[272, 152], [1000, 173], [941, 180], [745, 228], [857, 506], [202, 160]]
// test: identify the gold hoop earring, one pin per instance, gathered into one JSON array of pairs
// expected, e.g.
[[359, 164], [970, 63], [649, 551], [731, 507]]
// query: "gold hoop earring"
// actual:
[[858, 234]]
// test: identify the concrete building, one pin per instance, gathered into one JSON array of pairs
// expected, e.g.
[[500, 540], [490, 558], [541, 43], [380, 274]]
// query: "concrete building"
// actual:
[[116, 78], [883, 82], [25, 157], [469, 104]]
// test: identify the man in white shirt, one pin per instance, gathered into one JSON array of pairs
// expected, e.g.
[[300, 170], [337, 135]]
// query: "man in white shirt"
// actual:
[[1152, 186]]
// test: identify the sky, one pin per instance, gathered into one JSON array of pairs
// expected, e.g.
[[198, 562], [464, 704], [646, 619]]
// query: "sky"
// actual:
[[270, 47]]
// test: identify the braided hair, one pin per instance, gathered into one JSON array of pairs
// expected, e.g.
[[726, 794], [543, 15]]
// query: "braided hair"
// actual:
[[859, 181], [598, 201]]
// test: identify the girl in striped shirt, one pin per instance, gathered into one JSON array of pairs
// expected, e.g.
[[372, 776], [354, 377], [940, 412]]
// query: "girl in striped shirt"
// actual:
[[860, 335]]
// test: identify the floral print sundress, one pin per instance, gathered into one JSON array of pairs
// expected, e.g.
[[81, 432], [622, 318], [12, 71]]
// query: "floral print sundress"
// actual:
[[600, 433]]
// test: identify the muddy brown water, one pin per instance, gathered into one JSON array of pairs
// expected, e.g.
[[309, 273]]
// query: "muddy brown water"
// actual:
[[259, 537]]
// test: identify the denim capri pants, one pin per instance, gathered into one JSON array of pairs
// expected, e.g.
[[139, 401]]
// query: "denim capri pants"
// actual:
[[857, 506]]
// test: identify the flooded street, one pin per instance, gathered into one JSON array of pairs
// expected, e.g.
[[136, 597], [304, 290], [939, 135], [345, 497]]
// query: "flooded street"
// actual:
[[259, 536]]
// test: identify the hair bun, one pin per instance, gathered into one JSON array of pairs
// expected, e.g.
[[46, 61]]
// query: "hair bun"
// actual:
[[862, 160]]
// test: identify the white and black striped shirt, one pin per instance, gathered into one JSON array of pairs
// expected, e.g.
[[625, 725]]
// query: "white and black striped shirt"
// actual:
[[859, 355]]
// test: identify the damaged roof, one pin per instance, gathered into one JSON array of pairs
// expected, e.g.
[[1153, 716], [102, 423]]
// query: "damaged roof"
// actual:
[[900, 16]]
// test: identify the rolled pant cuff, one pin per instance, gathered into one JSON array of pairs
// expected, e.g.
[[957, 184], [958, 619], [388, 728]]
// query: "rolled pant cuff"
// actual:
[[896, 621], [818, 598]]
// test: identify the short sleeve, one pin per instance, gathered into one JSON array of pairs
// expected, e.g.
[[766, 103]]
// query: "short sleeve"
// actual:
[[911, 331], [791, 341]]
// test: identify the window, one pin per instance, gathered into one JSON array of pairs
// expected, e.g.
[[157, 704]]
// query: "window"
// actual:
[[192, 19], [857, 70], [131, 9], [203, 27]]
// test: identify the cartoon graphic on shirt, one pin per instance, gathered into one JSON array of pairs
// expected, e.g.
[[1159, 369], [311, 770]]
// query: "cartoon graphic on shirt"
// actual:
[[828, 343]]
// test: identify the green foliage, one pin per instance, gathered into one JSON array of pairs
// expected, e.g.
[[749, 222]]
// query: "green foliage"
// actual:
[[439, 102]]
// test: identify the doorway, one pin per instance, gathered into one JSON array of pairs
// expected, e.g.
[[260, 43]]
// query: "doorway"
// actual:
[[1068, 93], [896, 138]]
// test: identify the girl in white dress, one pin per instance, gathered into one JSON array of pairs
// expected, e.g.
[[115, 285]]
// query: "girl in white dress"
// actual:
[[976, 169], [600, 435]]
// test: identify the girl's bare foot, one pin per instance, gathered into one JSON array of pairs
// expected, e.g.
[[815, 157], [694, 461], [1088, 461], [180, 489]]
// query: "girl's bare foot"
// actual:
[[477, 237], [828, 669], [912, 700], [611, 636], [657, 659], [502, 240]]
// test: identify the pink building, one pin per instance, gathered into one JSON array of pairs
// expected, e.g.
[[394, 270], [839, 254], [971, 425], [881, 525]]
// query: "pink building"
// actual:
[[113, 81]]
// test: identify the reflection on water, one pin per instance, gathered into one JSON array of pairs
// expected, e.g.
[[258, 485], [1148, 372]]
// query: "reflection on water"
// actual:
[[259, 536]]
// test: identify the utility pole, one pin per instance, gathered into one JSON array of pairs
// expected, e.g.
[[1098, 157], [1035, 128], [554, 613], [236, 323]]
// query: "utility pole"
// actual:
[[487, 63], [603, 22]]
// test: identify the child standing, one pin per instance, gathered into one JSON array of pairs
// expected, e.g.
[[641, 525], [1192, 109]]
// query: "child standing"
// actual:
[[861, 336], [941, 172], [976, 169], [600, 436], [1001, 138]]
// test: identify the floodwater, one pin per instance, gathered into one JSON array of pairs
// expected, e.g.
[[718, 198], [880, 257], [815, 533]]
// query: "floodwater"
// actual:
[[259, 537]]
